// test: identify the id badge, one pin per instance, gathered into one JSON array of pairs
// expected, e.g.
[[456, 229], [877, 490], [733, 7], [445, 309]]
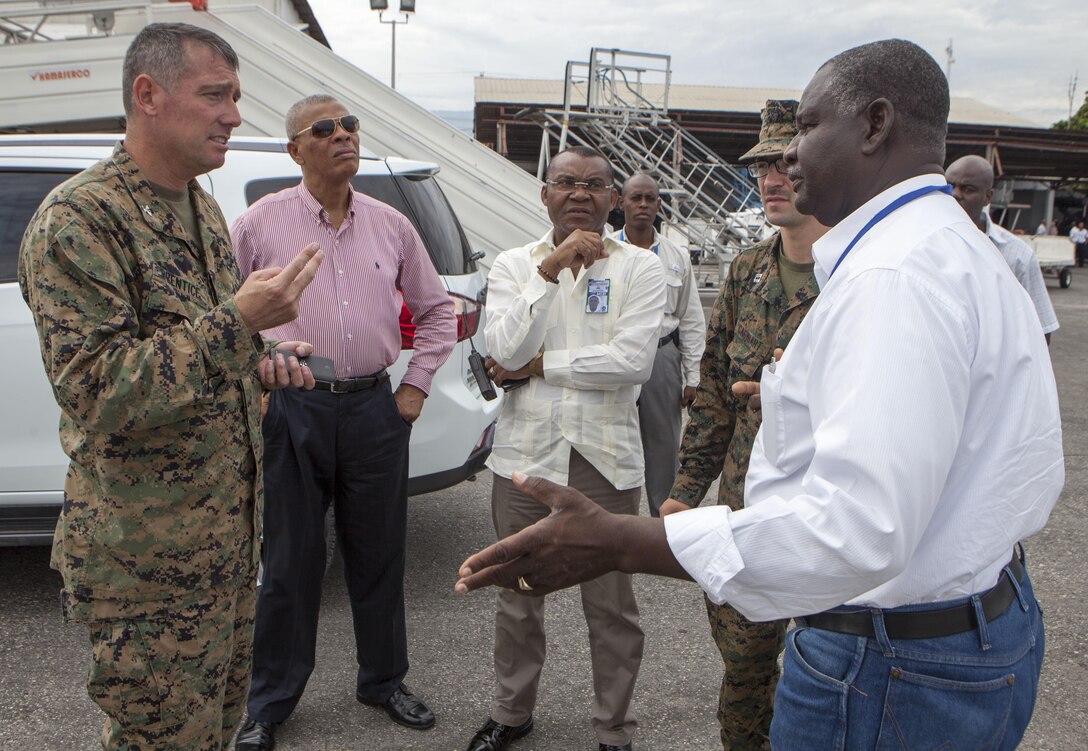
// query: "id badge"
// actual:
[[597, 295]]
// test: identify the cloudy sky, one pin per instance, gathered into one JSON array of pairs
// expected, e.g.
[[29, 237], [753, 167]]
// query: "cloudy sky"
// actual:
[[1014, 55]]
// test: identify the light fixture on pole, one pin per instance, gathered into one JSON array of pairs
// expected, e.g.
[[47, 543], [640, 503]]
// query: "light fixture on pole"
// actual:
[[406, 7]]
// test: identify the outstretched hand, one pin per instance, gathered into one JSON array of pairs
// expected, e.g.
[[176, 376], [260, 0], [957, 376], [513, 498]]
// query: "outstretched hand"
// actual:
[[576, 542]]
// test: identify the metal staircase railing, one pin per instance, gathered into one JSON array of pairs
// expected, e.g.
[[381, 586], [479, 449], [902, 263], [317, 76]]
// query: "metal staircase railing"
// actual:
[[618, 103], [26, 21]]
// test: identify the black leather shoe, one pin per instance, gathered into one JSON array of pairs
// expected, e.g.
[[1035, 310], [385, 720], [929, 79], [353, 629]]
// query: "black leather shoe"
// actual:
[[606, 747], [256, 736], [496, 737], [406, 708]]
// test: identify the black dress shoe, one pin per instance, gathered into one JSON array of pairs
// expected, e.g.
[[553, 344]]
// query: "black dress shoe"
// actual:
[[606, 747], [406, 708], [256, 736], [494, 736]]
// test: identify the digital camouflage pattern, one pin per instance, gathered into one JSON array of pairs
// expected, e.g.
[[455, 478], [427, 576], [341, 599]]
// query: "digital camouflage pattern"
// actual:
[[179, 679], [155, 374], [778, 126], [751, 318]]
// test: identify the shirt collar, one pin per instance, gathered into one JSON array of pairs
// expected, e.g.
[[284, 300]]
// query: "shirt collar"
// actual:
[[621, 236], [826, 250], [314, 206], [153, 209], [991, 228]]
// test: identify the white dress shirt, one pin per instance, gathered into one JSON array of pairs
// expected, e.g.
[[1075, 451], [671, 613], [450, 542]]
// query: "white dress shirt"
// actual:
[[1025, 267], [910, 434], [594, 363], [683, 309]]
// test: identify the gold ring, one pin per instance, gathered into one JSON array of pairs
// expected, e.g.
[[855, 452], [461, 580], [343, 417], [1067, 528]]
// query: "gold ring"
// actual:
[[524, 585]]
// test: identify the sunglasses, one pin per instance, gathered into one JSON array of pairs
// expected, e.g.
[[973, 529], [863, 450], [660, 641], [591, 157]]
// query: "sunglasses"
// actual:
[[325, 128]]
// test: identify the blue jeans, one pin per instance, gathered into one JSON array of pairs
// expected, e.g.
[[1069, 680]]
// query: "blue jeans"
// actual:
[[974, 690]]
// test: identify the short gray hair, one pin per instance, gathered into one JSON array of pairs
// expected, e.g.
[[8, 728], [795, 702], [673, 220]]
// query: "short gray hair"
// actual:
[[159, 51], [293, 114]]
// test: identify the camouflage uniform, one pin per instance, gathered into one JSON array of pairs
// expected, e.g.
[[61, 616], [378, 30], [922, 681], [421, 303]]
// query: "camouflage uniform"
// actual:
[[751, 318], [155, 373]]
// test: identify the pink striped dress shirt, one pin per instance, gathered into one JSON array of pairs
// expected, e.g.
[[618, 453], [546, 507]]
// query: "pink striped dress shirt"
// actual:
[[351, 310]]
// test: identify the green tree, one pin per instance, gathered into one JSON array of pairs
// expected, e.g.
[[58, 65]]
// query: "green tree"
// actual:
[[1079, 121]]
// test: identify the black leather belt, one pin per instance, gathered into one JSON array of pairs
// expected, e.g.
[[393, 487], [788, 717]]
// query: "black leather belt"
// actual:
[[351, 385], [674, 337], [923, 624]]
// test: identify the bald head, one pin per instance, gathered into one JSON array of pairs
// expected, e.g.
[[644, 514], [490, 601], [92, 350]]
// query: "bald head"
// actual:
[[972, 181], [640, 201], [639, 180]]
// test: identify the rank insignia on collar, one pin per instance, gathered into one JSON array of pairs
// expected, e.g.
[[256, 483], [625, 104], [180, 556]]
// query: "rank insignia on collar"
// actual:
[[757, 278], [147, 210]]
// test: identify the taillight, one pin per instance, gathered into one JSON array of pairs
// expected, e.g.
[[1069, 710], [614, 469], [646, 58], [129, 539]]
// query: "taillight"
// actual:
[[407, 327], [466, 311]]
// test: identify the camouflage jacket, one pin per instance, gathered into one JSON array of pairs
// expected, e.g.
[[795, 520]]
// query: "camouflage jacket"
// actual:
[[751, 318], [155, 374]]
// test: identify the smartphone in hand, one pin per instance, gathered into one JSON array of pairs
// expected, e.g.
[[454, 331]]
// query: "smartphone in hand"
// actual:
[[323, 368]]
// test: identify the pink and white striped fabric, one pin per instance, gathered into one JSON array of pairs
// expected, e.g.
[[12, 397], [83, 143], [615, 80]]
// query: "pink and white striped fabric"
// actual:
[[351, 310]]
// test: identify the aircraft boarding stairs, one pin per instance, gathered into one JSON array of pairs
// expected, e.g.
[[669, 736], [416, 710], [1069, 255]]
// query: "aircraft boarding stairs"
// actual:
[[707, 204]]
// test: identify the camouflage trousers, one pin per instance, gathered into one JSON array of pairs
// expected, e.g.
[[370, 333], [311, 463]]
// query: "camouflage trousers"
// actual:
[[750, 653], [177, 680]]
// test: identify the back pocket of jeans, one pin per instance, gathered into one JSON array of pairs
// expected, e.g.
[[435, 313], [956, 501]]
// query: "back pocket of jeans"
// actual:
[[923, 711]]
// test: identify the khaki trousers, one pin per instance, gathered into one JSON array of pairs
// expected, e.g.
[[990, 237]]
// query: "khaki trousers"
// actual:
[[608, 602]]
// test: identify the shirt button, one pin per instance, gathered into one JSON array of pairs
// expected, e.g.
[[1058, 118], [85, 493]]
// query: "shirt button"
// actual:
[[339, 271], [349, 336], [345, 302]]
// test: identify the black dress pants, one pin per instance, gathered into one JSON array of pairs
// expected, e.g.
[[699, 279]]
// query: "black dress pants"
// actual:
[[350, 450]]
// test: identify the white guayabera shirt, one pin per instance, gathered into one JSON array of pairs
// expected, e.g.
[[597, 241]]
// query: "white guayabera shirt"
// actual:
[[594, 362], [910, 433]]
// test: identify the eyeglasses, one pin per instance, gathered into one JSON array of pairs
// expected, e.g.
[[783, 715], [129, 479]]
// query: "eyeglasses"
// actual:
[[325, 128], [760, 169], [566, 185]]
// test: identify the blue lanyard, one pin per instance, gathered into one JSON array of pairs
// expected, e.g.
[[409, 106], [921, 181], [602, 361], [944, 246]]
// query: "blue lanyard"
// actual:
[[903, 200], [623, 239]]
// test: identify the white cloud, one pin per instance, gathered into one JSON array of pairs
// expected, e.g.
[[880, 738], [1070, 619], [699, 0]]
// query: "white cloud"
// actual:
[[1015, 56]]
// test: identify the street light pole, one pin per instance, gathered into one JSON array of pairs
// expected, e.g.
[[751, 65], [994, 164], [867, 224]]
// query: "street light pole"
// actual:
[[406, 7]]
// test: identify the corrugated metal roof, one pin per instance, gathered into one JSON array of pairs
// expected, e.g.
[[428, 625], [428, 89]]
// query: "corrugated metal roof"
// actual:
[[707, 98]]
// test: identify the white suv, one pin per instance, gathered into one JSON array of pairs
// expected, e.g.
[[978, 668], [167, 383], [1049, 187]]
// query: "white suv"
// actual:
[[451, 439]]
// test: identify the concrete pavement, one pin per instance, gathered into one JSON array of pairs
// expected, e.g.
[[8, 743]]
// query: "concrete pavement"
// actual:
[[43, 662]]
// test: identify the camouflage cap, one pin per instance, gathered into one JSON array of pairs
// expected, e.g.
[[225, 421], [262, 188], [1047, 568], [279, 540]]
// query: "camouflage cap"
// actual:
[[779, 128]]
